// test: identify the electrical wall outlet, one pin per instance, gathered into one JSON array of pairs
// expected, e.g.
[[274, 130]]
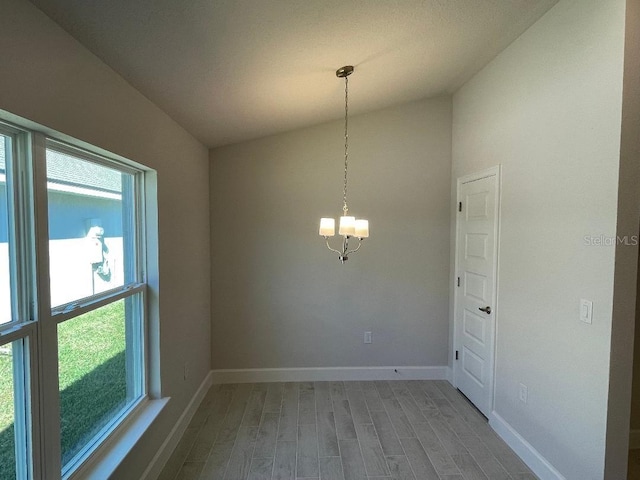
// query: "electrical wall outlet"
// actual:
[[523, 393], [367, 337], [186, 370]]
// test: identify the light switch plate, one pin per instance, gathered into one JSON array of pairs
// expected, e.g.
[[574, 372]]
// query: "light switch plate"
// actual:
[[586, 310]]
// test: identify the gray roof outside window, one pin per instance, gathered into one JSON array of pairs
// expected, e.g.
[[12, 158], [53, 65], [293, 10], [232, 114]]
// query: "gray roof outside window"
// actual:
[[67, 170]]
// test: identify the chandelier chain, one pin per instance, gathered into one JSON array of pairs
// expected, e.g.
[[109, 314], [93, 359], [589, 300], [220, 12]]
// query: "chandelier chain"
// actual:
[[345, 208]]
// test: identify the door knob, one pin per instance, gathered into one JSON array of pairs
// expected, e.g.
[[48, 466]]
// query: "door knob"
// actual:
[[486, 310]]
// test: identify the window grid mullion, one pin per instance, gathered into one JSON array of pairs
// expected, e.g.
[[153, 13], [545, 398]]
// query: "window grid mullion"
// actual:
[[48, 398]]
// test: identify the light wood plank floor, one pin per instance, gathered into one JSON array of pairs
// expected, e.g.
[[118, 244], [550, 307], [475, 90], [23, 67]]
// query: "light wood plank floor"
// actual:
[[404, 430]]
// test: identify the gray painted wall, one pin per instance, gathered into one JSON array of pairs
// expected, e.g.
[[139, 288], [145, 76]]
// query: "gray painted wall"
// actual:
[[548, 109], [280, 298], [51, 79]]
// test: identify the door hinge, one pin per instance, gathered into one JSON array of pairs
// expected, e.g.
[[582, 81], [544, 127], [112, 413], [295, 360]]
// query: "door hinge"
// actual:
[[459, 206], [458, 281], [456, 354]]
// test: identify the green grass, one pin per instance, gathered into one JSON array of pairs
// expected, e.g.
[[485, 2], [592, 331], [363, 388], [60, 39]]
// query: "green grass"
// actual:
[[92, 380]]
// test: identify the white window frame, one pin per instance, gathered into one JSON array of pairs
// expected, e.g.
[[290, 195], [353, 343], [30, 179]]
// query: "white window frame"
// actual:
[[36, 322]]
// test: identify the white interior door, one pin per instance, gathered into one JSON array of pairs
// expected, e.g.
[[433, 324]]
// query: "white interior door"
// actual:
[[475, 299]]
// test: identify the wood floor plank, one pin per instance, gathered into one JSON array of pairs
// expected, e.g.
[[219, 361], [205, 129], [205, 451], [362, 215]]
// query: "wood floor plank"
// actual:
[[200, 416], [261, 469], [267, 436], [222, 401], [323, 397], [240, 460], [255, 405], [289, 414], [512, 463], [424, 402], [372, 399], [523, 476], [441, 460], [374, 461], [419, 460], [235, 413], [386, 434], [492, 468], [216, 464], [337, 391], [307, 458], [447, 437], [469, 468], [205, 439], [452, 417], [399, 468], [307, 407], [331, 468], [345, 428], [354, 385], [177, 458], [359, 409], [327, 437], [495, 444], [273, 402], [395, 430], [190, 471], [410, 407], [285, 462], [305, 386], [475, 446], [352, 462], [430, 388], [368, 385], [384, 390], [398, 384], [398, 418]]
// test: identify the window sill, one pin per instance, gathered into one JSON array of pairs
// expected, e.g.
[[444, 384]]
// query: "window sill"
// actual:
[[108, 456]]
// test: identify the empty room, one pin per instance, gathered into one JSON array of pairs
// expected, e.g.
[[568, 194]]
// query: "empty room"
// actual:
[[324, 239]]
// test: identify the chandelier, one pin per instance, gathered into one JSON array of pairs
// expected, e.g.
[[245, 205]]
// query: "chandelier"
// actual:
[[349, 227]]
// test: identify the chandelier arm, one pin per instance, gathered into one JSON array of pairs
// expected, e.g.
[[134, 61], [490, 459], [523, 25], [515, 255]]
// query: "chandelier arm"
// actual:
[[356, 249], [332, 249]]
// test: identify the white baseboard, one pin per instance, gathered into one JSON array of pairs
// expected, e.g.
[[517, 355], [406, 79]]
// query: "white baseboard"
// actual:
[[169, 445], [634, 439], [329, 374], [529, 455]]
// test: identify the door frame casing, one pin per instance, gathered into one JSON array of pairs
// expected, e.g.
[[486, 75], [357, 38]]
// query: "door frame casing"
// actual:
[[497, 172]]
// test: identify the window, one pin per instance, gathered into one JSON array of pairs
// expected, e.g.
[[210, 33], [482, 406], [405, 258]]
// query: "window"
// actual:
[[72, 289]]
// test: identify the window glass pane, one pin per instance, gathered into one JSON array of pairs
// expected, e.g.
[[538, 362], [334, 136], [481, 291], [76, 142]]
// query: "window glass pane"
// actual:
[[14, 462], [98, 371], [91, 220], [5, 278], [7, 416]]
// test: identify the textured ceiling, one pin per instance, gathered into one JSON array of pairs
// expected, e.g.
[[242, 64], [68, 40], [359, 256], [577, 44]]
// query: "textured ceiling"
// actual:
[[232, 70]]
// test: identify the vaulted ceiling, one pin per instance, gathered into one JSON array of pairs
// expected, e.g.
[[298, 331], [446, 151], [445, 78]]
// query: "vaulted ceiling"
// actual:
[[233, 70]]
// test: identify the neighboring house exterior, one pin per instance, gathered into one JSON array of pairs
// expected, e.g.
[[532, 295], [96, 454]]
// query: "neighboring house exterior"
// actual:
[[81, 195]]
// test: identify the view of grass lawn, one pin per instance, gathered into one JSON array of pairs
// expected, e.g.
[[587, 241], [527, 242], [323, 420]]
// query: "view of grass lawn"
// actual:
[[92, 381]]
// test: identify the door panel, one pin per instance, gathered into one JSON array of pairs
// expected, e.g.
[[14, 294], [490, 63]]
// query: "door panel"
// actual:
[[476, 254]]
